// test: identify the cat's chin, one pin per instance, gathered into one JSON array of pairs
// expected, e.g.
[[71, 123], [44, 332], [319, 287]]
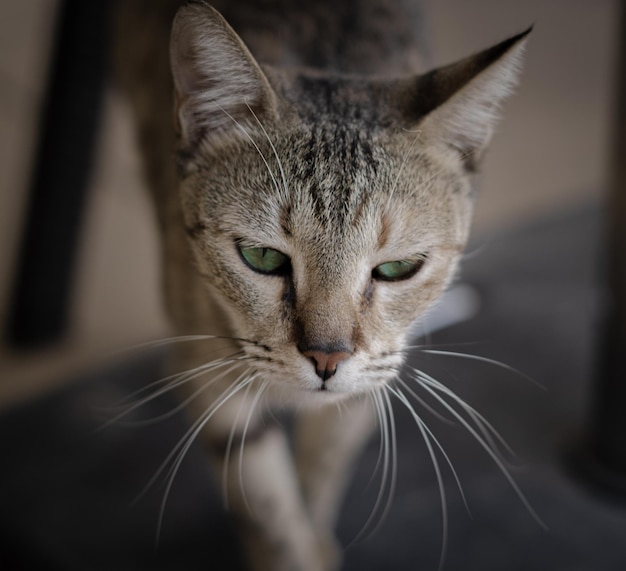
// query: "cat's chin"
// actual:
[[292, 396], [300, 389]]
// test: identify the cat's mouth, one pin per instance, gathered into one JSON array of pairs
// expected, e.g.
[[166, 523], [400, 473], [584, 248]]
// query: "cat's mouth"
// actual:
[[323, 387], [328, 389], [333, 391]]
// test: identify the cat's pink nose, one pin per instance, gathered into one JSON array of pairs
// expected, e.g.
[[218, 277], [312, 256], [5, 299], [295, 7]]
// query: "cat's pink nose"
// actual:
[[326, 362]]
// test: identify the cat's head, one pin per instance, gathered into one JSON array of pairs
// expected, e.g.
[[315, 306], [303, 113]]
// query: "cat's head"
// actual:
[[327, 214]]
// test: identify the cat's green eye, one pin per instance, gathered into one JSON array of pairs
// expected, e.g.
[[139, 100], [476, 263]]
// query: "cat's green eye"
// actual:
[[398, 270], [265, 260]]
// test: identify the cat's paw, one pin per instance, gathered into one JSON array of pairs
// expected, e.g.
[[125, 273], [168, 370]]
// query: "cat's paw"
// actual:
[[313, 552], [331, 554]]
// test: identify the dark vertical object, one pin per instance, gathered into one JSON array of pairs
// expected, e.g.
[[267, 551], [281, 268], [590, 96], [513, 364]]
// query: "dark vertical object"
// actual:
[[67, 138], [603, 462]]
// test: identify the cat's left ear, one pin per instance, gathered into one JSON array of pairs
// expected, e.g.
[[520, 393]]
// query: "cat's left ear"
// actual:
[[458, 105]]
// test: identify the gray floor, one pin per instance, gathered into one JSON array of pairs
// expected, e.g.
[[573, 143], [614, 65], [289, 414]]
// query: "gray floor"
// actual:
[[67, 489]]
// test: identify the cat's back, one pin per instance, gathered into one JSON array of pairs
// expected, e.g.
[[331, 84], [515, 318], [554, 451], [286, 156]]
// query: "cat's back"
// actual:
[[364, 37]]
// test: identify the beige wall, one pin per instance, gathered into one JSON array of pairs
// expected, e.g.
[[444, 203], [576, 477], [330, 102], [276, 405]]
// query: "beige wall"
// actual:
[[551, 149], [549, 154]]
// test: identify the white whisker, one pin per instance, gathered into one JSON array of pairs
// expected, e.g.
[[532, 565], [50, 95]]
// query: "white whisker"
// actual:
[[425, 405], [442, 491], [175, 381], [389, 473], [184, 403], [199, 422], [484, 360], [381, 421], [430, 388], [167, 341], [229, 445], [183, 446], [394, 459], [255, 401], [280, 164], [245, 132], [235, 387], [180, 375], [443, 453], [484, 426]]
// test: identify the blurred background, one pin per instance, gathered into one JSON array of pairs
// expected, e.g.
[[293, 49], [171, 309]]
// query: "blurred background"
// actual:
[[548, 163]]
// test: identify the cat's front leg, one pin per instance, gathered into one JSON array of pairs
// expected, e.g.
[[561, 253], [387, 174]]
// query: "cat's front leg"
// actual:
[[262, 490], [275, 525], [327, 442]]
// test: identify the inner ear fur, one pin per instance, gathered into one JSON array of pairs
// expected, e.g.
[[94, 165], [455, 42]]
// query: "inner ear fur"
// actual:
[[458, 105]]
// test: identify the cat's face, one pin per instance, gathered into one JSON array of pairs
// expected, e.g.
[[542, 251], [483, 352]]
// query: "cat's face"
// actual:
[[363, 250], [325, 228]]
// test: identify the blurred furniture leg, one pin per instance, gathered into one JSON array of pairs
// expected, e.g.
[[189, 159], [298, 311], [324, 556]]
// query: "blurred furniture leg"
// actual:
[[67, 138]]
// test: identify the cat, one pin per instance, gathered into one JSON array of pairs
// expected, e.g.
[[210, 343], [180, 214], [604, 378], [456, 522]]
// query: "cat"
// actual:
[[313, 186]]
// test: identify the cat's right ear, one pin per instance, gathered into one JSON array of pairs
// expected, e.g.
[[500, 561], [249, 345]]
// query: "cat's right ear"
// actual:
[[219, 88]]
